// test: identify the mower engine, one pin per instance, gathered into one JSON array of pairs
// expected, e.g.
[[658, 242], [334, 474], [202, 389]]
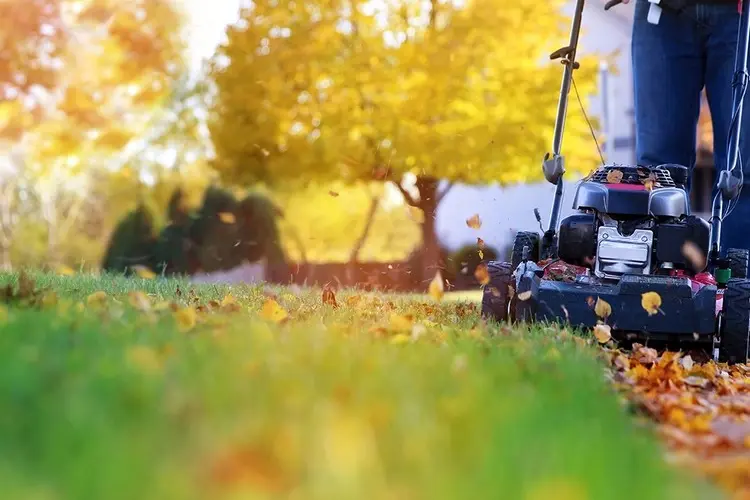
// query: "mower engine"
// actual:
[[634, 220]]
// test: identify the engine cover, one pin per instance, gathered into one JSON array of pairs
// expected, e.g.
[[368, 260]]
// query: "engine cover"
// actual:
[[617, 254]]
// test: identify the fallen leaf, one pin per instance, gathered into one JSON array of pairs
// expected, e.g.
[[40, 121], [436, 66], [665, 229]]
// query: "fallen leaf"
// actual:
[[603, 333], [474, 221], [482, 274], [436, 288], [602, 308], [64, 270], [144, 272], [614, 176], [96, 298], [272, 311], [186, 318], [329, 297], [651, 301], [139, 301], [400, 323], [227, 217], [400, 338], [687, 362], [333, 193]]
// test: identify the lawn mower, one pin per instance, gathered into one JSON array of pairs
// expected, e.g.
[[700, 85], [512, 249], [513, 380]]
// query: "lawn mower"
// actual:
[[634, 245]]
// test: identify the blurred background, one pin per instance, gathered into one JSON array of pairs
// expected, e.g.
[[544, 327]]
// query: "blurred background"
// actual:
[[305, 141]]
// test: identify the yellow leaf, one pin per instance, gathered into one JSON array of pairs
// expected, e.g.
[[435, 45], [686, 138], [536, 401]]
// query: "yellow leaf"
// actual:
[[95, 298], [481, 254], [651, 302], [417, 214], [49, 299], [144, 272], [437, 289], [227, 218], [482, 274], [602, 308], [139, 300], [228, 300], [186, 317], [272, 311], [64, 270], [400, 338], [401, 323], [474, 221], [603, 333]]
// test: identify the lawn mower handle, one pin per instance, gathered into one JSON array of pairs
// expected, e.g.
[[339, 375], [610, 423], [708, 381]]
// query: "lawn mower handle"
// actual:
[[611, 4]]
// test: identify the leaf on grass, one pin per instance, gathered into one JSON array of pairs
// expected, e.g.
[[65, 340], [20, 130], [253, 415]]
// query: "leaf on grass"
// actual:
[[139, 301], [651, 302], [603, 333], [144, 272], [436, 288], [400, 323], [474, 222], [602, 308], [229, 303], [482, 274], [329, 297], [227, 217], [272, 311], [96, 298], [186, 318], [614, 176], [63, 270], [400, 338]]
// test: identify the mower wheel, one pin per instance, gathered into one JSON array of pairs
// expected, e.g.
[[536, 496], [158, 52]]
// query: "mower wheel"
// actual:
[[739, 258], [496, 295], [524, 238], [735, 324]]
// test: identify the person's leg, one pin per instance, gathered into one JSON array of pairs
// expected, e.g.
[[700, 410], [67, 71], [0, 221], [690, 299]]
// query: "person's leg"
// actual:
[[668, 69], [721, 50]]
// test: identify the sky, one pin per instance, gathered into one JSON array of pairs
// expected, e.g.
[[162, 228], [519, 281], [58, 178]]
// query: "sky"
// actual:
[[208, 21]]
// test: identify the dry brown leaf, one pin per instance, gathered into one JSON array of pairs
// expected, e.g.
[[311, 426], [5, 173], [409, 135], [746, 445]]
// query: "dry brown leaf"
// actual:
[[651, 302], [329, 297], [614, 176], [333, 193], [482, 274], [474, 222], [603, 333], [480, 243], [602, 308]]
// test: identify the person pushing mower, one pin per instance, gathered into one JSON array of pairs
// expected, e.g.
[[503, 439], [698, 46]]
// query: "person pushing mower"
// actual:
[[680, 47]]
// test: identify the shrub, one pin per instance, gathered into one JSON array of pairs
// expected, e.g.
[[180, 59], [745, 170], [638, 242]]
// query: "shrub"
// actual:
[[132, 242]]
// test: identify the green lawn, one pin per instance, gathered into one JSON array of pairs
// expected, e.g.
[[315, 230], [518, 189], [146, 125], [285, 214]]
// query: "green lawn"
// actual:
[[103, 401]]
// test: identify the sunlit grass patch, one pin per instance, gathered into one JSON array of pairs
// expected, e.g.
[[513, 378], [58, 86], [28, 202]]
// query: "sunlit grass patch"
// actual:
[[156, 389]]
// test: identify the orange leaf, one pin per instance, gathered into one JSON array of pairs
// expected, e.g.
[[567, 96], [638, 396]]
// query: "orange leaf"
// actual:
[[474, 221], [482, 274]]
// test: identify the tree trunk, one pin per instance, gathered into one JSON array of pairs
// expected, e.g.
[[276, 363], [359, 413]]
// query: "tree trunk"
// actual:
[[429, 198]]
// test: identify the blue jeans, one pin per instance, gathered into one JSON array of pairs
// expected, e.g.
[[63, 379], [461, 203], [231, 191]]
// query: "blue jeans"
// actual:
[[673, 61]]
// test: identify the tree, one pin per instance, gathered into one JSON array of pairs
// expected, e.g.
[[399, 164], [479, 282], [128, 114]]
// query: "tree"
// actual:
[[354, 90], [81, 80]]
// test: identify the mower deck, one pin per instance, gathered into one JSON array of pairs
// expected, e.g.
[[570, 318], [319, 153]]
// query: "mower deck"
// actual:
[[688, 308]]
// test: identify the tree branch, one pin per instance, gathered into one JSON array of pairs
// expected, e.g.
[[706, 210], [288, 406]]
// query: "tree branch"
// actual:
[[441, 194], [408, 198]]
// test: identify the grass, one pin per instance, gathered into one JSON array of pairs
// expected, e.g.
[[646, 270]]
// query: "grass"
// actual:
[[101, 400]]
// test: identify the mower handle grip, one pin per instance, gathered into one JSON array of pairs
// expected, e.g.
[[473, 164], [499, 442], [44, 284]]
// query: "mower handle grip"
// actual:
[[611, 4]]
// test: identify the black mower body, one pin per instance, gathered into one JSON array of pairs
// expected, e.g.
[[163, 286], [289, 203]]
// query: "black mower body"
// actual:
[[688, 309]]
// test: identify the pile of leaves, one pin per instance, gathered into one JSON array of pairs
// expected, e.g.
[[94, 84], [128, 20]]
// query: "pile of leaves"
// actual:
[[702, 409]]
